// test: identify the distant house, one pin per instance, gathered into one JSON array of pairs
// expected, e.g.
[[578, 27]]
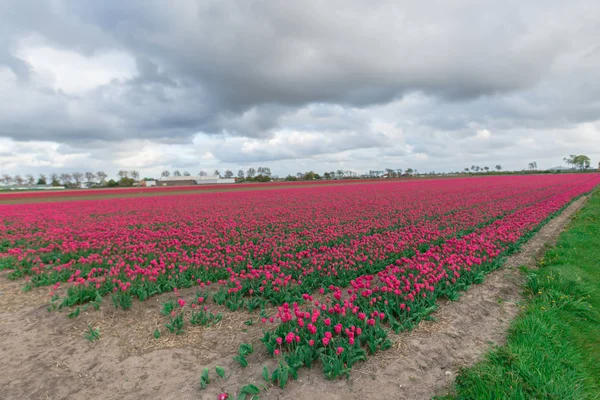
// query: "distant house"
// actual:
[[192, 180], [560, 169], [148, 183]]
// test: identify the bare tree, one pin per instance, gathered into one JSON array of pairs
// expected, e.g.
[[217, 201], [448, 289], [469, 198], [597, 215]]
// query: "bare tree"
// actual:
[[122, 174], [29, 179], [7, 179], [185, 173], [77, 177], [176, 173], [101, 176], [54, 179], [533, 165], [135, 175], [18, 179], [217, 173], [251, 172], [89, 177], [65, 178], [42, 180], [202, 173], [241, 174], [165, 174], [228, 174]]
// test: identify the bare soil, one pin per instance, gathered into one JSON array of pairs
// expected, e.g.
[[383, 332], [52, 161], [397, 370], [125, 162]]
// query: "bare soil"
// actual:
[[43, 355]]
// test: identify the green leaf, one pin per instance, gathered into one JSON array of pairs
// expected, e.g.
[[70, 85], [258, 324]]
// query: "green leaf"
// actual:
[[250, 389], [74, 314], [265, 374], [220, 371], [156, 333], [242, 360]]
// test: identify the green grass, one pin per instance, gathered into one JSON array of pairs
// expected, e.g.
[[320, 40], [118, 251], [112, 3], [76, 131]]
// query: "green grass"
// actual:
[[553, 346]]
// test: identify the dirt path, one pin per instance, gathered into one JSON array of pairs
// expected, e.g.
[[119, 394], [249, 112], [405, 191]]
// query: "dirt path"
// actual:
[[43, 354]]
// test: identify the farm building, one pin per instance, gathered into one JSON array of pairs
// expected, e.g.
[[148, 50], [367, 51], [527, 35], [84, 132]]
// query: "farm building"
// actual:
[[192, 180]]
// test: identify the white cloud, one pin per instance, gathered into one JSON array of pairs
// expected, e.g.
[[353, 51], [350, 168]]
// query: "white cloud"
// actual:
[[74, 73]]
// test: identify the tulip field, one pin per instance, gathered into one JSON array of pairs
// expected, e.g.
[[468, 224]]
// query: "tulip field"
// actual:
[[341, 265]]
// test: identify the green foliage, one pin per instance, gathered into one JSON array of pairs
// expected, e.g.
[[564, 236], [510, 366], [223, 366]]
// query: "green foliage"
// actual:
[[205, 318], [204, 379], [249, 390], [156, 333], [175, 324], [92, 334], [74, 313], [244, 350], [122, 299], [167, 308], [220, 371], [266, 375]]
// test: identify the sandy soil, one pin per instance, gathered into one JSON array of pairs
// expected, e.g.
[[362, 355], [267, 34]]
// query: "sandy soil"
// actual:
[[43, 355]]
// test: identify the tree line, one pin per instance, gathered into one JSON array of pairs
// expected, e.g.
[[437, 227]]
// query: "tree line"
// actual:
[[74, 179], [261, 174]]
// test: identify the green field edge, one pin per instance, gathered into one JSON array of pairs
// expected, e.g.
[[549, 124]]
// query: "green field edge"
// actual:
[[553, 346]]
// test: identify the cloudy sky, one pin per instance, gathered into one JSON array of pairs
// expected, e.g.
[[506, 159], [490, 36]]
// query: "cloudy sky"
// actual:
[[322, 85]]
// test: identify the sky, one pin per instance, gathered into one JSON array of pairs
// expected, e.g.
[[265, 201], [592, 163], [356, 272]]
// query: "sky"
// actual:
[[150, 85]]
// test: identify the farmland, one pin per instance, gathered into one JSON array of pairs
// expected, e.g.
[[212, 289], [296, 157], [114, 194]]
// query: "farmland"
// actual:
[[326, 272]]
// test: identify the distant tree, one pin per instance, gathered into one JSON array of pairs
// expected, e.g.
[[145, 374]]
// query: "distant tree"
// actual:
[[65, 178], [309, 176], [409, 171], [486, 168], [327, 175], [399, 172], [18, 179], [29, 179], [77, 177], [90, 177], [42, 180], [135, 175], [202, 173], [241, 174], [228, 174], [251, 172], [165, 174], [186, 173], [54, 179], [390, 173], [499, 167], [533, 165], [101, 176], [176, 173], [112, 183], [467, 169], [122, 174], [217, 173], [6, 179], [578, 161]]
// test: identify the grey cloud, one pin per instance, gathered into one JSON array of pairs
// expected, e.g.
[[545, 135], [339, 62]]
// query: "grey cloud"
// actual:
[[440, 71]]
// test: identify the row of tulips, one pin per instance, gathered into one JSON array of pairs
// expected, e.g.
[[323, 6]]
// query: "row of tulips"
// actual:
[[354, 321], [255, 246]]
